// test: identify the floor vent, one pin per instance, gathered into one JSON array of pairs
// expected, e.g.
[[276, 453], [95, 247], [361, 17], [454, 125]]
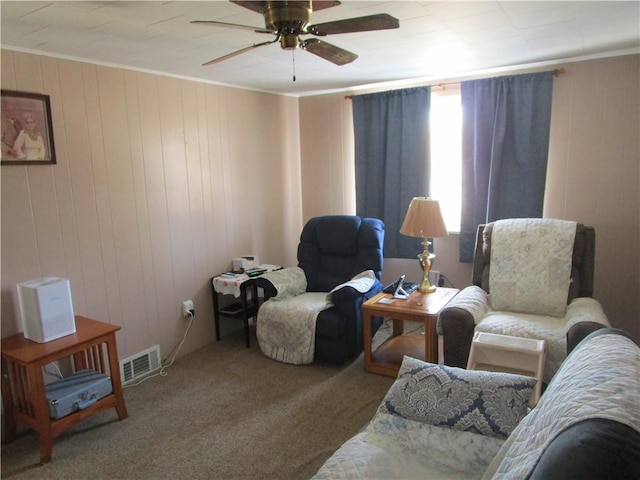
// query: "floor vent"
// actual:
[[140, 364]]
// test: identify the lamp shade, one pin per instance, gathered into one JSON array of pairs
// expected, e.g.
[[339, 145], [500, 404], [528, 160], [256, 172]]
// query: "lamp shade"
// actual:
[[424, 219]]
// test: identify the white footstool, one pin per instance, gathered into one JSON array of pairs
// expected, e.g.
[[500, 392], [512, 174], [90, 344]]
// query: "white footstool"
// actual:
[[503, 353]]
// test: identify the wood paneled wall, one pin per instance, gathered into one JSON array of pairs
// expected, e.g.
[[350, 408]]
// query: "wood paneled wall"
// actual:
[[593, 175], [159, 183]]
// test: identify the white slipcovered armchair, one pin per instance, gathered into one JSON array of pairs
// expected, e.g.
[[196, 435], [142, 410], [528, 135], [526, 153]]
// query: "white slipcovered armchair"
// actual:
[[532, 278]]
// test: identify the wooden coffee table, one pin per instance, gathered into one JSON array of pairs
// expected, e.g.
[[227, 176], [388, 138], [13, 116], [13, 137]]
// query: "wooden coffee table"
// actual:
[[419, 307]]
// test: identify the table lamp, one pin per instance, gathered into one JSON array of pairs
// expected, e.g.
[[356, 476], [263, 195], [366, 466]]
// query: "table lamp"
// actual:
[[424, 219]]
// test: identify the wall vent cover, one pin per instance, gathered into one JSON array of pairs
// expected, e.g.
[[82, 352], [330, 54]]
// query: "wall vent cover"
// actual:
[[139, 364]]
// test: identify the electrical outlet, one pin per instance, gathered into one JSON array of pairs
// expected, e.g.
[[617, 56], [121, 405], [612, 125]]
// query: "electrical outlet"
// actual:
[[187, 308]]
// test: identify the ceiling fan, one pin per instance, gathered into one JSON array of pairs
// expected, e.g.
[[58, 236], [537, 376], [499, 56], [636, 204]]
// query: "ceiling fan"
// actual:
[[287, 20]]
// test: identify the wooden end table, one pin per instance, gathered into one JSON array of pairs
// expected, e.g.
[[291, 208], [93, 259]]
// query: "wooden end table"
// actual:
[[243, 287], [419, 307], [23, 389], [243, 310]]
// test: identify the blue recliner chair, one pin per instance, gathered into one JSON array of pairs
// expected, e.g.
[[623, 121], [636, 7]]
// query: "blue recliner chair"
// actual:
[[339, 268]]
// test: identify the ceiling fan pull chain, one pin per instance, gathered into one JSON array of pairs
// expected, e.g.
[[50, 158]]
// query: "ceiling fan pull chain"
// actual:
[[293, 56]]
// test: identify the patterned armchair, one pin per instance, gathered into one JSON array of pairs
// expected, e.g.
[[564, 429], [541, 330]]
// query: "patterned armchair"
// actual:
[[313, 311], [531, 278]]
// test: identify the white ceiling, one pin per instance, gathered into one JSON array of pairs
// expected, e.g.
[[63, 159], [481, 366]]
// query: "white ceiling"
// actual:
[[436, 40]]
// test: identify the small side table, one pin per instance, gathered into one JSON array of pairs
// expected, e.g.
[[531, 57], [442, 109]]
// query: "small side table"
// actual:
[[419, 307], [23, 389], [242, 287], [504, 353]]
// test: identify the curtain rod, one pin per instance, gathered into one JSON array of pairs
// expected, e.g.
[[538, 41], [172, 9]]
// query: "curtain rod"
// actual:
[[556, 73]]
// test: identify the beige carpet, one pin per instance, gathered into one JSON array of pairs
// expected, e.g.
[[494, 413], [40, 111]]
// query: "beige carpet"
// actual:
[[223, 412]]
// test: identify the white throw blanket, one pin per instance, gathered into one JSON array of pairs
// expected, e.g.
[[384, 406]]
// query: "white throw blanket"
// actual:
[[286, 327], [531, 265], [393, 447], [583, 389], [361, 282]]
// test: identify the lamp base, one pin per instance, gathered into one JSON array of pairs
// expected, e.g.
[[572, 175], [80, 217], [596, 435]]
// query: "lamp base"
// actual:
[[428, 288], [425, 262]]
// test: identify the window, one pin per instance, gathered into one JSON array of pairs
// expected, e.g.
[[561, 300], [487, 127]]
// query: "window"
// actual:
[[446, 154]]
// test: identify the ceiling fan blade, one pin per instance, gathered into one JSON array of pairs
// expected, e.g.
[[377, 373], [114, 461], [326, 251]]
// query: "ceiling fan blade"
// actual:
[[381, 21], [261, 6], [327, 51], [238, 52], [213, 23], [321, 5], [255, 6]]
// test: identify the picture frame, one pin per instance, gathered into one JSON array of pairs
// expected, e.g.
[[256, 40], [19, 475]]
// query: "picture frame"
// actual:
[[27, 132]]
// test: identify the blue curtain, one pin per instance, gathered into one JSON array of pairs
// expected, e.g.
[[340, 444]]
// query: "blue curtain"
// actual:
[[392, 160], [505, 143]]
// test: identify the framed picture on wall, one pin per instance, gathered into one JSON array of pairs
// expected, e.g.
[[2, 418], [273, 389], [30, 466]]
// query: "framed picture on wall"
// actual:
[[27, 134]]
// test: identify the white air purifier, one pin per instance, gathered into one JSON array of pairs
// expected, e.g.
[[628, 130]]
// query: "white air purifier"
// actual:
[[46, 309]]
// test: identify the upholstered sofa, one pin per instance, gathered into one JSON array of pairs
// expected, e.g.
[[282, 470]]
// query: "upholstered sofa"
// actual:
[[586, 424]]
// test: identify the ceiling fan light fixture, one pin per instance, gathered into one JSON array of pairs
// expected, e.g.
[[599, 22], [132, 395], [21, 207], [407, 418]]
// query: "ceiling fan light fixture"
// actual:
[[294, 16], [289, 41]]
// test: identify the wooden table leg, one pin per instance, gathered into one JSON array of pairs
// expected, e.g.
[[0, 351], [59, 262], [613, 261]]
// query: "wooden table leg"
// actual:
[[430, 340], [114, 369], [398, 327], [41, 412], [216, 313], [10, 425], [366, 326], [245, 314]]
